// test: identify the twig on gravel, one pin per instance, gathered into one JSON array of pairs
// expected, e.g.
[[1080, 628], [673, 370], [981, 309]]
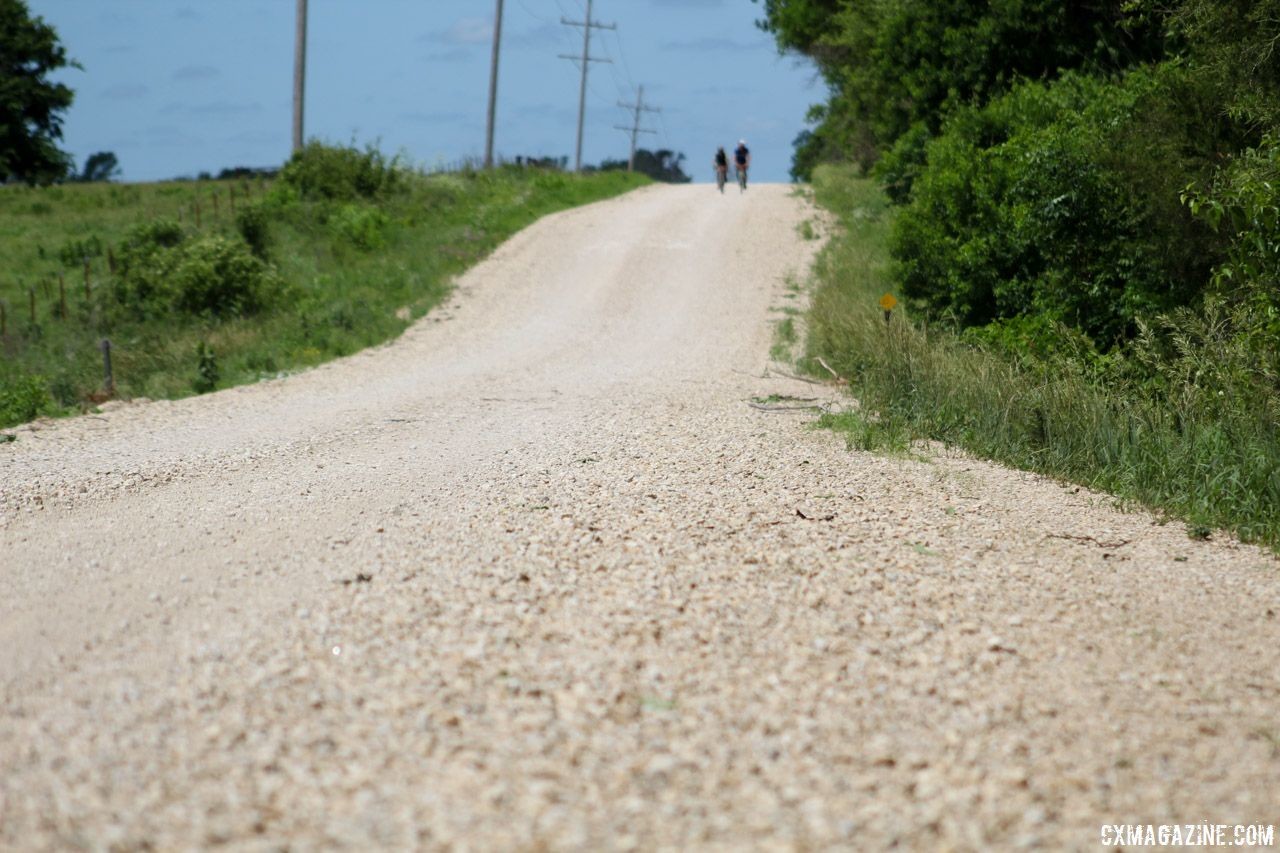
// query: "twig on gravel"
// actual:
[[830, 370], [1097, 542], [776, 409], [787, 375], [831, 517]]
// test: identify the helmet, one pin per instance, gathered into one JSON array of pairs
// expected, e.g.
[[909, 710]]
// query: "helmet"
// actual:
[[742, 142]]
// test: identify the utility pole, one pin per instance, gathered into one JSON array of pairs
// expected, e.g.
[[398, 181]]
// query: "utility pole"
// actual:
[[586, 59], [299, 72], [635, 130], [493, 86]]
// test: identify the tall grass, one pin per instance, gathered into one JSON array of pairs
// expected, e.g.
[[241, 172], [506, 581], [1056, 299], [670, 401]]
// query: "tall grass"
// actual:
[[357, 272], [1209, 456]]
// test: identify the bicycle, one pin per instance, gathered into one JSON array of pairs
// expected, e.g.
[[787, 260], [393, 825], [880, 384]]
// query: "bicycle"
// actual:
[[722, 176], [742, 179]]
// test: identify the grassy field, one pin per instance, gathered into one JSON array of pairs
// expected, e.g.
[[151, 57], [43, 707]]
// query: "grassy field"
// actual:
[[340, 274], [1193, 452]]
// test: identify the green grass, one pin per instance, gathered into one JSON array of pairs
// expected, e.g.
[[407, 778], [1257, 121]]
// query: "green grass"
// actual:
[[1213, 462], [785, 339], [351, 288]]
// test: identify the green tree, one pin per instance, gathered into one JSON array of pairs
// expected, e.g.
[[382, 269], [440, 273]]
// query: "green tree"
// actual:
[[102, 166], [892, 65], [31, 105], [662, 165]]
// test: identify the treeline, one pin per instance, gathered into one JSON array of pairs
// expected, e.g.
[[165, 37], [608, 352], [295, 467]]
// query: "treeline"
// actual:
[[1084, 188], [1095, 164]]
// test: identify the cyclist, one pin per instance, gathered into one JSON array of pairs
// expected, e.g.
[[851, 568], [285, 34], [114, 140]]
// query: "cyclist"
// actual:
[[742, 160], [722, 167]]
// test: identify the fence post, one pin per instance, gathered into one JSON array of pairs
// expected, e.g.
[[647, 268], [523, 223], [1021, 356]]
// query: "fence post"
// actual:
[[31, 292], [111, 261], [108, 380], [62, 296], [4, 321]]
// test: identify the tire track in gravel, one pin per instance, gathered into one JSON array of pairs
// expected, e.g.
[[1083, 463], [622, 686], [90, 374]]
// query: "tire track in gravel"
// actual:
[[573, 603]]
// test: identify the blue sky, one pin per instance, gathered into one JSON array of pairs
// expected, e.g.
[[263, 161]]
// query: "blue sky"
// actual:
[[175, 87]]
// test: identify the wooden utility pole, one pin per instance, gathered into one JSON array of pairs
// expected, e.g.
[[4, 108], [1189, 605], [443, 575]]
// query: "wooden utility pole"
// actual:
[[635, 130], [299, 72], [586, 59], [493, 86]]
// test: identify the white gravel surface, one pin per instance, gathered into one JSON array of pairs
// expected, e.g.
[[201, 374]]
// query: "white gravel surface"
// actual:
[[536, 575]]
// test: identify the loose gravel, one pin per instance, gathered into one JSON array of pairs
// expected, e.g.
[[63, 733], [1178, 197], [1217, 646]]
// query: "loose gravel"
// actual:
[[537, 575]]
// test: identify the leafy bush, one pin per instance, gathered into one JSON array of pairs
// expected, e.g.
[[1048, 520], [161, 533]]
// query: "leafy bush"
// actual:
[[892, 66], [161, 271], [361, 225], [1045, 201], [207, 373], [339, 173], [141, 268], [220, 277], [1185, 418], [251, 223], [21, 399]]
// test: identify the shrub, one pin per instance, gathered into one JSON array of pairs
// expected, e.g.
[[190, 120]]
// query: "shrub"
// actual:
[[251, 223], [360, 225], [207, 373], [339, 173], [161, 271], [219, 277], [141, 266], [21, 399], [1060, 199]]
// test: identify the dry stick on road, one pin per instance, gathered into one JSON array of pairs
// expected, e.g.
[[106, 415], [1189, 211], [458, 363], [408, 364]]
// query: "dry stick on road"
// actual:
[[838, 378], [580, 625]]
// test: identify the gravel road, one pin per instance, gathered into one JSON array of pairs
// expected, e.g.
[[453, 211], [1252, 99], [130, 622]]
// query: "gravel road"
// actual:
[[536, 575]]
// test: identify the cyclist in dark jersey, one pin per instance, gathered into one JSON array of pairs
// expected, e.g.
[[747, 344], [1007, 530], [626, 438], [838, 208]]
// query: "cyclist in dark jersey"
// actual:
[[742, 161], [722, 168]]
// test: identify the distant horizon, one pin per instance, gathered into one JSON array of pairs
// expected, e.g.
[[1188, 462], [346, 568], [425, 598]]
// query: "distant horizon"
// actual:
[[174, 91]]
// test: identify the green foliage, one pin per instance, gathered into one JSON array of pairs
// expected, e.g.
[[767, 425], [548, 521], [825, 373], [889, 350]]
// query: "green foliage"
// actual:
[[101, 166], [1058, 199], [362, 226], [893, 65], [76, 250], [31, 105], [207, 373], [218, 277], [1187, 420], [662, 165], [1233, 44], [22, 398], [253, 226], [177, 286], [339, 173], [161, 270]]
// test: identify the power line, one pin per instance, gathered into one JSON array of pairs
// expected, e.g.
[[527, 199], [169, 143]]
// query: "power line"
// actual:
[[588, 24], [640, 108]]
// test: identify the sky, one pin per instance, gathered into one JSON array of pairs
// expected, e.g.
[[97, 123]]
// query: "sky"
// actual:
[[176, 87]]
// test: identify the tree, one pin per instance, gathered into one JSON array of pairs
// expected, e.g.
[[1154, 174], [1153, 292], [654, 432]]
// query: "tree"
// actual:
[[893, 65], [31, 105], [102, 166], [662, 165]]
